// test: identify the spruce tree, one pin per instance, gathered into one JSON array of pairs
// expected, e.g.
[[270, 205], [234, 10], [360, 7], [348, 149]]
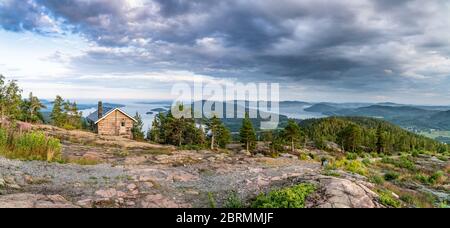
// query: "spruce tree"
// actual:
[[72, 116], [212, 126], [247, 133], [35, 106], [380, 140], [137, 130], [10, 100], [224, 137], [292, 132], [220, 136], [57, 116]]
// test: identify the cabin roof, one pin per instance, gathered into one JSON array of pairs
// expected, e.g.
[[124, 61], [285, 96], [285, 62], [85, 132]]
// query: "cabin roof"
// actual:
[[107, 111]]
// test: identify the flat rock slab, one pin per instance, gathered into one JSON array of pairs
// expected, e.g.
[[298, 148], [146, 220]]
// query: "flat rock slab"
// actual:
[[25, 200]]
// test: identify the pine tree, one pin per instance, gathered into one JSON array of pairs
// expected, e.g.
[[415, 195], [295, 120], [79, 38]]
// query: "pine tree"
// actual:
[[220, 136], [224, 136], [57, 116], [72, 116], [351, 138], [35, 108], [157, 133], [192, 135], [10, 99], [292, 132], [380, 140], [212, 126], [247, 133], [137, 130]]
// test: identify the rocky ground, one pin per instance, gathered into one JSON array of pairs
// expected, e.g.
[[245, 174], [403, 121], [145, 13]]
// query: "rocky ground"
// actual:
[[138, 183], [130, 174]]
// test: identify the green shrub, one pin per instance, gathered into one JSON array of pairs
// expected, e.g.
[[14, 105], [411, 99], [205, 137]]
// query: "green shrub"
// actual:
[[376, 179], [84, 161], [303, 157], [3, 140], [422, 178], [388, 200], [293, 197], [390, 176], [233, 201], [36, 146], [444, 205], [403, 162], [412, 201], [351, 156], [54, 149], [366, 161], [354, 166], [212, 200], [192, 147], [30, 146], [442, 158], [331, 173], [435, 178]]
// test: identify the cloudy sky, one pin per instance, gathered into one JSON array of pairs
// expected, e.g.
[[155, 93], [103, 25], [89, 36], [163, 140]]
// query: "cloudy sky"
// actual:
[[318, 50]]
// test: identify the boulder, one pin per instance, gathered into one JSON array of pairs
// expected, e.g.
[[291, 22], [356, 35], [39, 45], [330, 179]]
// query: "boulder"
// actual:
[[342, 193]]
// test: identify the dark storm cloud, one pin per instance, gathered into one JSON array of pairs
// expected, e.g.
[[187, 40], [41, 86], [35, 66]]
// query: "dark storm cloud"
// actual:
[[21, 16], [357, 45]]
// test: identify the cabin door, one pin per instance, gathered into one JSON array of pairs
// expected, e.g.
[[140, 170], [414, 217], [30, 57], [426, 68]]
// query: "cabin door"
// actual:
[[122, 128]]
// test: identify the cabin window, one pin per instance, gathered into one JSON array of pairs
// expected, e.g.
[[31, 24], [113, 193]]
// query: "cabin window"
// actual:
[[123, 123]]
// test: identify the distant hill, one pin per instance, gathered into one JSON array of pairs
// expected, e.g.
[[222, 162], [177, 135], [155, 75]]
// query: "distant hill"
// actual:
[[333, 129], [81, 106], [234, 124], [321, 108], [158, 110], [410, 117], [386, 112], [441, 120], [300, 103], [392, 104]]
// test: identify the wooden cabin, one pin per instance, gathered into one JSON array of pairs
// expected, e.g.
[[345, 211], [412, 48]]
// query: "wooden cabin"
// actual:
[[111, 122]]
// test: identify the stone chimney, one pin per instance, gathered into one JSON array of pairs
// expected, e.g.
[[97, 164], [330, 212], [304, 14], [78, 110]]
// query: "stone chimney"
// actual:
[[100, 109]]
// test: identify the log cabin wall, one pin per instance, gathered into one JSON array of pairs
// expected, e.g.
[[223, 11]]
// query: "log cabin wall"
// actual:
[[116, 123]]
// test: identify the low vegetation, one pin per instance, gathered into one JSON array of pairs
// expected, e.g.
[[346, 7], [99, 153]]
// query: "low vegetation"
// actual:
[[436, 178], [293, 197], [353, 166], [390, 176], [29, 146], [233, 201], [404, 162], [387, 199], [83, 161]]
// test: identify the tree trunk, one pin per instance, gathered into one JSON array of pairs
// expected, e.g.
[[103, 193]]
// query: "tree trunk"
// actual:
[[212, 142], [248, 147], [292, 146], [1, 118]]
